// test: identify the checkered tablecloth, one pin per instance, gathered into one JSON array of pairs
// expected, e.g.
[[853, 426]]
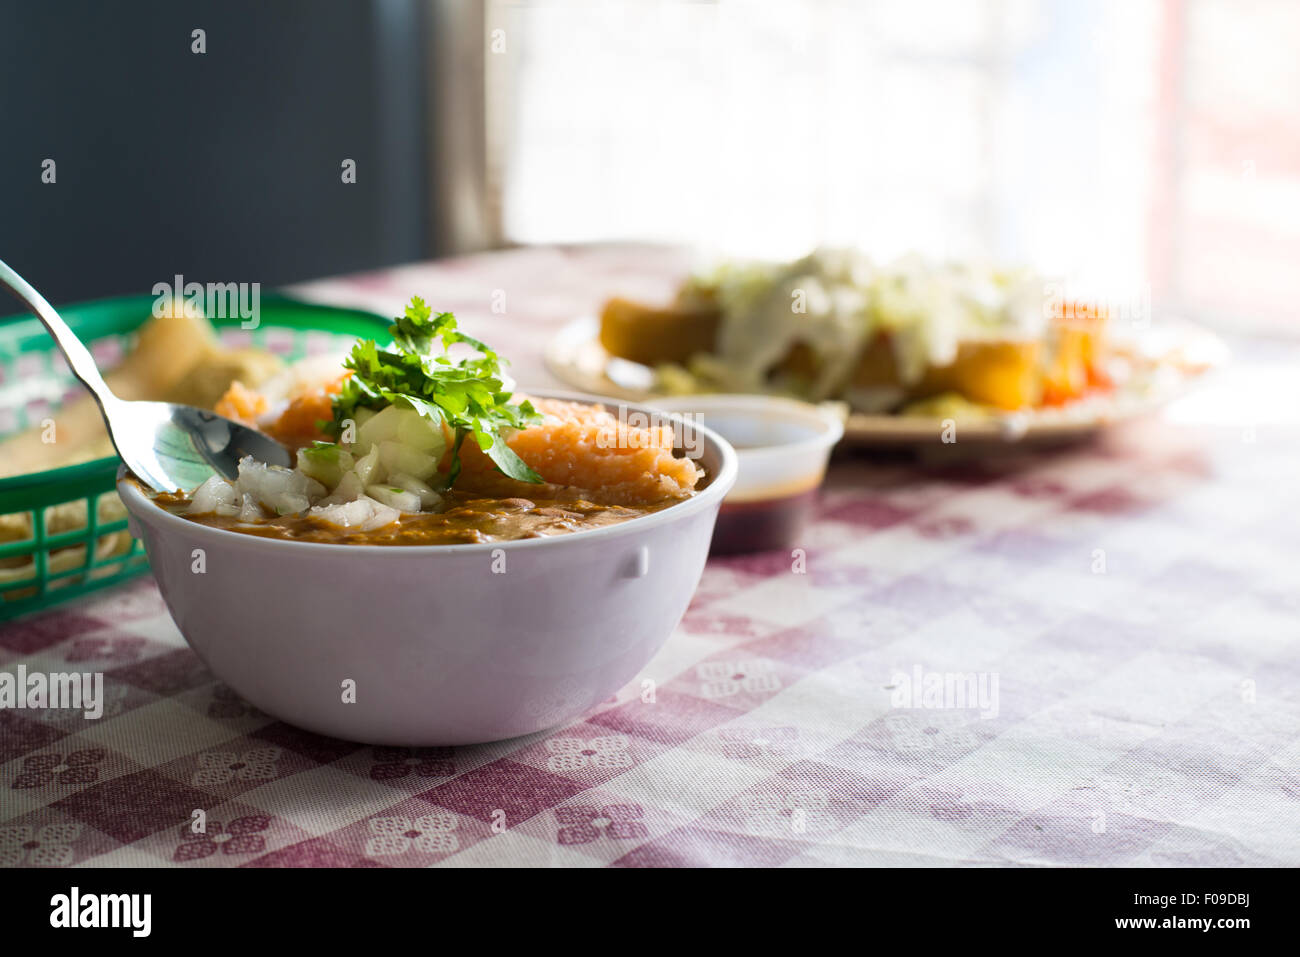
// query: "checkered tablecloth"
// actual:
[[1128, 607]]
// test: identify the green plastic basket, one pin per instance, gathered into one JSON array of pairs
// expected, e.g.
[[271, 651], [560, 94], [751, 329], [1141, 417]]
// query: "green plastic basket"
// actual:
[[63, 531]]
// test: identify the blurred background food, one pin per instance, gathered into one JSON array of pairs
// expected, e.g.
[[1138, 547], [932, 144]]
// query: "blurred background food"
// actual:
[[834, 325]]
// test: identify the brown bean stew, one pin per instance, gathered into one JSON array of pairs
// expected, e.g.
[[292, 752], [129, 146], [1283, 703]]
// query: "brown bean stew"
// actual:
[[466, 518]]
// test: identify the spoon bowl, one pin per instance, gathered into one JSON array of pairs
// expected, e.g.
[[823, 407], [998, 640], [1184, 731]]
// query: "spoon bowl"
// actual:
[[169, 447]]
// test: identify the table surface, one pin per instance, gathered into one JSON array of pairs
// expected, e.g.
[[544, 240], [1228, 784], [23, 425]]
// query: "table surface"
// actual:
[[1127, 608]]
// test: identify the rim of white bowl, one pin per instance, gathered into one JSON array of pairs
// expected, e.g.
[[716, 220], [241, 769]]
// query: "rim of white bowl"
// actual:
[[134, 498], [827, 427]]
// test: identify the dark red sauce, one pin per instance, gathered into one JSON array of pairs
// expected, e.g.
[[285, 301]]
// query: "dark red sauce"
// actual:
[[762, 524]]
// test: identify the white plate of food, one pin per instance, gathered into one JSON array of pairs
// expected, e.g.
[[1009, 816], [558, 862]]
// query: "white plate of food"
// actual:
[[914, 352]]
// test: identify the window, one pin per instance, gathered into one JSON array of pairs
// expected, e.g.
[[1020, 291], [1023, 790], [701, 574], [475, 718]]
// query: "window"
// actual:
[[1128, 148]]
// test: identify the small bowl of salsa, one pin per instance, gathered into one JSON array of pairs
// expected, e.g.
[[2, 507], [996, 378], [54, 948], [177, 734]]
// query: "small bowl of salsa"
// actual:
[[782, 447]]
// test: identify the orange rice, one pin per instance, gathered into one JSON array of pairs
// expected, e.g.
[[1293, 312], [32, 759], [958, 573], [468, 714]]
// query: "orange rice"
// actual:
[[590, 453]]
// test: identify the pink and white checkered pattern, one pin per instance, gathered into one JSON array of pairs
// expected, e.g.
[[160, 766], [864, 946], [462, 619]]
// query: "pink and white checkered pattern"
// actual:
[[1135, 599]]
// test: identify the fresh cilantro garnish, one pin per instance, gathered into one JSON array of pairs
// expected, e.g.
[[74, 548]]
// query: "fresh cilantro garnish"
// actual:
[[467, 395]]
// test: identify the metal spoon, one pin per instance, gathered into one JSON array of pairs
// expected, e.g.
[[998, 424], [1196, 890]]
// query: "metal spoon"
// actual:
[[169, 447]]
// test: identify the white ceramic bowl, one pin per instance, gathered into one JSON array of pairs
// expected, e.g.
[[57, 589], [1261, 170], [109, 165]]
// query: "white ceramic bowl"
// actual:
[[440, 644], [782, 449]]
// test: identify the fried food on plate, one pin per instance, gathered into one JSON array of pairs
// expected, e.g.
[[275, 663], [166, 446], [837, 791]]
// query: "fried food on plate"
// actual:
[[835, 326]]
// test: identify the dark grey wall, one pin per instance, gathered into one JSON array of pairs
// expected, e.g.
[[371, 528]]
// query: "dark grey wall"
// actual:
[[223, 166]]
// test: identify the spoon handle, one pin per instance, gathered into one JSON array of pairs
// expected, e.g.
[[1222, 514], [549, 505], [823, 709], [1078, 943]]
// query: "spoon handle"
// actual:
[[74, 350]]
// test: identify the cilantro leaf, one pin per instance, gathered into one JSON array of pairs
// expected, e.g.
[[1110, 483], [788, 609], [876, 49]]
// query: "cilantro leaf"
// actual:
[[508, 462]]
